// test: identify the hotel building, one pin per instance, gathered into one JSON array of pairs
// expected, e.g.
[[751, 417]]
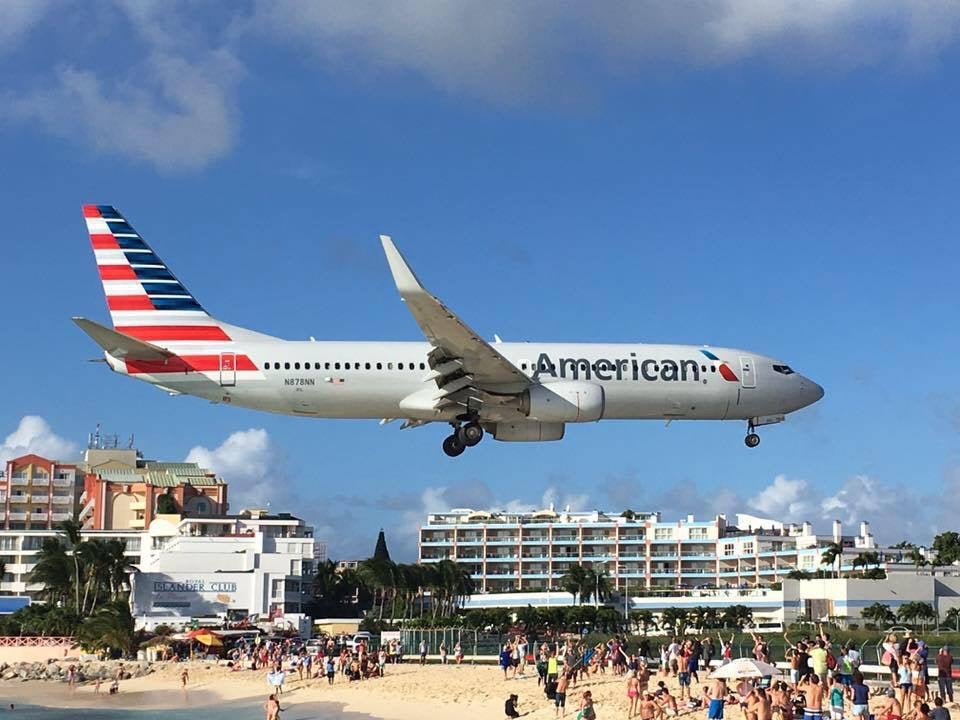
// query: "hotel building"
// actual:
[[37, 493], [530, 552]]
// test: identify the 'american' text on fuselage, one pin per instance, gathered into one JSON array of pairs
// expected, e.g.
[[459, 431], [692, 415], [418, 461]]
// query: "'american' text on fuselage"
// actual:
[[631, 368]]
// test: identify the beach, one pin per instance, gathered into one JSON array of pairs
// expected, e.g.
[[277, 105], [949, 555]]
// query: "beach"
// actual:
[[408, 692]]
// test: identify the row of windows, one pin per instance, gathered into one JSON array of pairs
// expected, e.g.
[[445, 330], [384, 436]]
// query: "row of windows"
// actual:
[[412, 366], [343, 366]]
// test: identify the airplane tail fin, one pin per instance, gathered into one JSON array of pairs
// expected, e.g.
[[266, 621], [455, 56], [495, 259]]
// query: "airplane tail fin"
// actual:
[[145, 299]]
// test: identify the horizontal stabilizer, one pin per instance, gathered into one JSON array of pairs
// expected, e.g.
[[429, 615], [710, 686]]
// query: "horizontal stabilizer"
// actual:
[[120, 346]]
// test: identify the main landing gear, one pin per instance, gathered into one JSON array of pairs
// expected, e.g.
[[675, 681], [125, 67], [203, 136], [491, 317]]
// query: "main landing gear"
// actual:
[[752, 439], [463, 436]]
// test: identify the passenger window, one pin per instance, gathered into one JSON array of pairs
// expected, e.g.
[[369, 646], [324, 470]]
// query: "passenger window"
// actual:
[[703, 368], [296, 366], [390, 366], [399, 366], [336, 366], [356, 366], [713, 368], [316, 366], [286, 366], [366, 366], [379, 366]]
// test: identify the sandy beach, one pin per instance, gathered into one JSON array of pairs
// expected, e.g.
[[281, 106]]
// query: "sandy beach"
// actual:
[[408, 692]]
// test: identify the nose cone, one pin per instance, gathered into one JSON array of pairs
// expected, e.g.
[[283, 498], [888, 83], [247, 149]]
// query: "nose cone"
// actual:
[[810, 392]]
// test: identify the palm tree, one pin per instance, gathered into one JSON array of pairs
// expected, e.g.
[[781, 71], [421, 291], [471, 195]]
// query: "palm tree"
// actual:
[[573, 581], [71, 531], [912, 612], [832, 552], [111, 627], [119, 568], [643, 619], [953, 617], [866, 559], [673, 620], [736, 616], [53, 571], [879, 613], [916, 557]]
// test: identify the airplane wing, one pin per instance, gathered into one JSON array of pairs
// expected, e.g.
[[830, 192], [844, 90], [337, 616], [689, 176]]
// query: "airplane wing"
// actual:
[[122, 347], [460, 354]]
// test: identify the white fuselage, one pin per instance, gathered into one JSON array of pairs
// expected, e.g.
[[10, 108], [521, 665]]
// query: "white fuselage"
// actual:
[[371, 379]]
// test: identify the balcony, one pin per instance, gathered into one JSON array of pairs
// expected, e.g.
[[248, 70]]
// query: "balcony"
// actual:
[[664, 555], [697, 571], [137, 523], [533, 539], [19, 499], [470, 541], [40, 499], [633, 538], [63, 482], [138, 504], [61, 516], [598, 539], [431, 541], [14, 516], [564, 538], [501, 540], [15, 480], [62, 499], [534, 556], [501, 558]]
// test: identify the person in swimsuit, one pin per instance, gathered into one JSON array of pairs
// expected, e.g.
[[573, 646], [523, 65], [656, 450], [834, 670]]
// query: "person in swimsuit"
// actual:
[[836, 698], [813, 690], [560, 695], [762, 704], [510, 707], [716, 696], [633, 693], [891, 709], [272, 708], [586, 707], [648, 707], [905, 683]]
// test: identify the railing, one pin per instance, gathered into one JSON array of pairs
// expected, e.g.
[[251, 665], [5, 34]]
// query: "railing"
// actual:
[[63, 482], [39, 641], [16, 516], [62, 499], [19, 480]]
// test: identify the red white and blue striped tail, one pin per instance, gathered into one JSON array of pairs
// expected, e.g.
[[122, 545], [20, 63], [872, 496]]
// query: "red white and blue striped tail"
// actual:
[[145, 299]]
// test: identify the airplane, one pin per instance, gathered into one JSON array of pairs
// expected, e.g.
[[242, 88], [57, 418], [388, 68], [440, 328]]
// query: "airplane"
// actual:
[[516, 392]]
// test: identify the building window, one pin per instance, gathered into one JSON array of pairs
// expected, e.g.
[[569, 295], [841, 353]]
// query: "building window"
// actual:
[[662, 533], [728, 548], [698, 533], [276, 588]]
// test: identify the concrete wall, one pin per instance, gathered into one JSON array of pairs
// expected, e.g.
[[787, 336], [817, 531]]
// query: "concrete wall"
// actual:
[[846, 598]]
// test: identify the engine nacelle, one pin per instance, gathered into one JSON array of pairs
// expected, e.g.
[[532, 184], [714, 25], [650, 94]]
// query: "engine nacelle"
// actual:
[[527, 431], [565, 401]]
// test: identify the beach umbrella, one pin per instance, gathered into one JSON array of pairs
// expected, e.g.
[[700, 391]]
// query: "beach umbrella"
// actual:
[[745, 668], [205, 637]]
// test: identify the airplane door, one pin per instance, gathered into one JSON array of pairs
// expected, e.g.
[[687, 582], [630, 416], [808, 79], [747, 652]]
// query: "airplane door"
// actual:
[[228, 369], [748, 377]]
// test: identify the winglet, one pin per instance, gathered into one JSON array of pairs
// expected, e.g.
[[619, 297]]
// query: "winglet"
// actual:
[[403, 276], [121, 346]]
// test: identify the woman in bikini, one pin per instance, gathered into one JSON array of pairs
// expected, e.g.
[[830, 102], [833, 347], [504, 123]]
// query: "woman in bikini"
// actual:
[[633, 693]]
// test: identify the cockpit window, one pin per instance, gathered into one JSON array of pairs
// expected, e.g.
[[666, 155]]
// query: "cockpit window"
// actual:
[[783, 369]]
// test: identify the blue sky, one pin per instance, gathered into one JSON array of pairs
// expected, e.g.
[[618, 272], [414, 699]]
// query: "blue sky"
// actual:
[[781, 177]]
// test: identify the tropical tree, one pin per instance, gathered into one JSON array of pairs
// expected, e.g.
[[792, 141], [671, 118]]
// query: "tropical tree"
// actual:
[[913, 612], [866, 559], [879, 614], [3, 571], [916, 557], [946, 547], [832, 553], [673, 620], [110, 628], [643, 619], [70, 529], [953, 617], [53, 570], [574, 581], [736, 616], [596, 585]]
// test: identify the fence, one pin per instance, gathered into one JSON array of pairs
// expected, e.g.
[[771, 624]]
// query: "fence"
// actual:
[[35, 641], [475, 644]]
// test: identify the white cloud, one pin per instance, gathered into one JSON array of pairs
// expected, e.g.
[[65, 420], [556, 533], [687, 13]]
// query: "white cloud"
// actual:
[[248, 463], [508, 51], [34, 435], [17, 17], [784, 499], [175, 114]]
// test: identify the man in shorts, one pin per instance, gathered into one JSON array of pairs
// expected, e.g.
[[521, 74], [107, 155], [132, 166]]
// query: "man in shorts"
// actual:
[[684, 679], [560, 696], [716, 696], [860, 697]]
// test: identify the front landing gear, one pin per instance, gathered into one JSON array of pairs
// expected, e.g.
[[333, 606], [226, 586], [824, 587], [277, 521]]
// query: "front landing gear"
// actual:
[[463, 436], [452, 445], [752, 440]]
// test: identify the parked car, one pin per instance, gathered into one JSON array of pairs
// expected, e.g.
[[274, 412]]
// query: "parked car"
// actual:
[[360, 637]]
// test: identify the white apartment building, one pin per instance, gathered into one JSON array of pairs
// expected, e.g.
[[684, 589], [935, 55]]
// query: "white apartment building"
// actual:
[[254, 564], [514, 552]]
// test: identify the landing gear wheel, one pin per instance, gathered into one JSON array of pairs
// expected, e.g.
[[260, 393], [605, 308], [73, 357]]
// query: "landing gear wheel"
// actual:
[[470, 434], [752, 440], [452, 446]]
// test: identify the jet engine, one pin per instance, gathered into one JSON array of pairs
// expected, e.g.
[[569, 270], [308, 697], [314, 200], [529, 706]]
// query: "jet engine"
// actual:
[[564, 401]]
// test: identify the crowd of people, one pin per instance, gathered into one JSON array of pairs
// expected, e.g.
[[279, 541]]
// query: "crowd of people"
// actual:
[[824, 679]]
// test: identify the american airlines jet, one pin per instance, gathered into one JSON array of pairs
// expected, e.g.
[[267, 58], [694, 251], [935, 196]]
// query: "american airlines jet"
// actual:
[[516, 392]]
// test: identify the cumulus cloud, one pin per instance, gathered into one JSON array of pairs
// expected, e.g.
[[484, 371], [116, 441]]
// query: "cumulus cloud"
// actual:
[[249, 463], [784, 499], [34, 435], [507, 51], [170, 104], [175, 115]]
